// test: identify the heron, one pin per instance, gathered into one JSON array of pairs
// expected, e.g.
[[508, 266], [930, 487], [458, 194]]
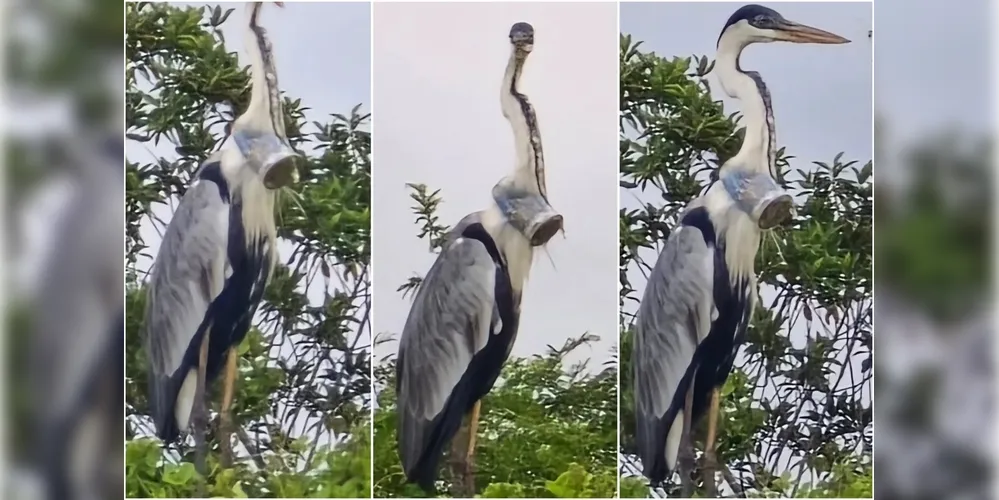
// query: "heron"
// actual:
[[465, 316], [217, 256], [703, 288]]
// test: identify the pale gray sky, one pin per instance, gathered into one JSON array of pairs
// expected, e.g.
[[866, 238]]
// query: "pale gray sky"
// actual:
[[931, 65], [437, 72], [933, 74]]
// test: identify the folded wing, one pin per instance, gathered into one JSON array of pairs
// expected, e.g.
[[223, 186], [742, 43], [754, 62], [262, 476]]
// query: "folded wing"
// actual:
[[450, 322], [187, 276], [674, 316]]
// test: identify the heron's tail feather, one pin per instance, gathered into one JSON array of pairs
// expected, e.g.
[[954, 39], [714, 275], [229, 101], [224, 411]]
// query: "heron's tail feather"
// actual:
[[436, 436], [653, 453], [162, 396], [443, 429]]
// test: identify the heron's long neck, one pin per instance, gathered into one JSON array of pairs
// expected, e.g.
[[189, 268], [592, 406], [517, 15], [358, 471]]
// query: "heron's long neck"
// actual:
[[758, 151], [265, 109], [529, 172]]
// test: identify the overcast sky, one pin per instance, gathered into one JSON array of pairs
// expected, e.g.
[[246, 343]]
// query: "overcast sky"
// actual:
[[437, 72], [933, 74], [931, 67]]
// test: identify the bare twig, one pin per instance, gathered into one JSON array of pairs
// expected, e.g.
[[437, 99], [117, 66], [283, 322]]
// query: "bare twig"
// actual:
[[732, 482], [251, 449]]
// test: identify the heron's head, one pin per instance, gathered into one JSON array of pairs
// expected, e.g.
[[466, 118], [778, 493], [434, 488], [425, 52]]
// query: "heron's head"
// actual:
[[522, 39], [756, 23], [528, 212]]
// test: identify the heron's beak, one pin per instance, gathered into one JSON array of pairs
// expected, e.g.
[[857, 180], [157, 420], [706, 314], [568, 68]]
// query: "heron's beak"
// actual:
[[800, 33], [270, 156]]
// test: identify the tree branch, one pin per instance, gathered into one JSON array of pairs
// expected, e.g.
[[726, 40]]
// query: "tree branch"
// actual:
[[732, 481], [251, 449]]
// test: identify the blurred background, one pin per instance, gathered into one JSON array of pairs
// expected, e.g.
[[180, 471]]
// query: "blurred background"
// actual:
[[934, 138], [63, 268], [63, 279]]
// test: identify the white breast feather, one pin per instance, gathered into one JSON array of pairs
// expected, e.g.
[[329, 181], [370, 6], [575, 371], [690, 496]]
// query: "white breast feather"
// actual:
[[741, 234]]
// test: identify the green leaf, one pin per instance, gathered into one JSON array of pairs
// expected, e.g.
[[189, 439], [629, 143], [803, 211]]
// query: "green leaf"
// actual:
[[180, 474]]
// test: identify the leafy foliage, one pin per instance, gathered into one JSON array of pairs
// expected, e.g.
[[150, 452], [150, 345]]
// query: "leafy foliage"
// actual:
[[796, 417], [546, 430], [303, 386], [337, 473]]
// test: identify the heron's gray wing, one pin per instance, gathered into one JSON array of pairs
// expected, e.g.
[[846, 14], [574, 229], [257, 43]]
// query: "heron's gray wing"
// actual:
[[448, 323], [674, 315], [188, 274]]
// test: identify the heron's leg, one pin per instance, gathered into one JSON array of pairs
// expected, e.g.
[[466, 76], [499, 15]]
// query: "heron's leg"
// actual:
[[230, 378], [685, 456], [709, 447], [710, 460], [473, 428], [199, 411], [462, 467]]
